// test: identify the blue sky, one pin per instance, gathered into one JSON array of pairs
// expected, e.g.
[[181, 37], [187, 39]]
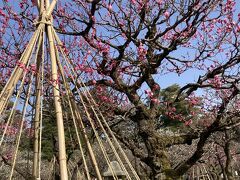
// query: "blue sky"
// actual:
[[188, 76]]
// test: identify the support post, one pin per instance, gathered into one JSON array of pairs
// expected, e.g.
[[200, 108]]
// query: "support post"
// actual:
[[16, 75], [35, 172], [50, 8], [58, 108]]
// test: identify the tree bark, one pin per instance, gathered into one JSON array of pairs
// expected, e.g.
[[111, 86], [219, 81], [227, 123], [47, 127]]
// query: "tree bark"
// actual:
[[228, 169]]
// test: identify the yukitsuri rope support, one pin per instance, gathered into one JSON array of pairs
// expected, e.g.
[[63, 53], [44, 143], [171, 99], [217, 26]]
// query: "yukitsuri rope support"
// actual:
[[90, 99], [45, 10], [45, 33]]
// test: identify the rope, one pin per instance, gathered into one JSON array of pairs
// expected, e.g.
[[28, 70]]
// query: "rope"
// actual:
[[110, 143], [8, 88], [135, 174], [97, 136], [89, 118], [73, 116], [12, 113], [21, 127], [13, 110], [58, 107], [38, 87], [25, 104], [73, 106], [95, 132]]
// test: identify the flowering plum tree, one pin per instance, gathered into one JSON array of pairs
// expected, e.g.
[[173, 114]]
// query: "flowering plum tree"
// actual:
[[128, 46]]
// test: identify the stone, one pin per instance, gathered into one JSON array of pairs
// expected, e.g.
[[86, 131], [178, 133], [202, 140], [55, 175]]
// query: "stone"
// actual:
[[116, 168]]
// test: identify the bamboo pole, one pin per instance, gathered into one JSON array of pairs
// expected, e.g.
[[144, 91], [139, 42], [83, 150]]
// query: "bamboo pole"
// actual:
[[38, 6], [21, 127], [41, 118], [125, 157], [37, 111], [69, 97], [75, 112], [9, 87], [47, 4], [86, 140], [50, 8], [57, 102], [13, 110], [58, 108], [41, 7]]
